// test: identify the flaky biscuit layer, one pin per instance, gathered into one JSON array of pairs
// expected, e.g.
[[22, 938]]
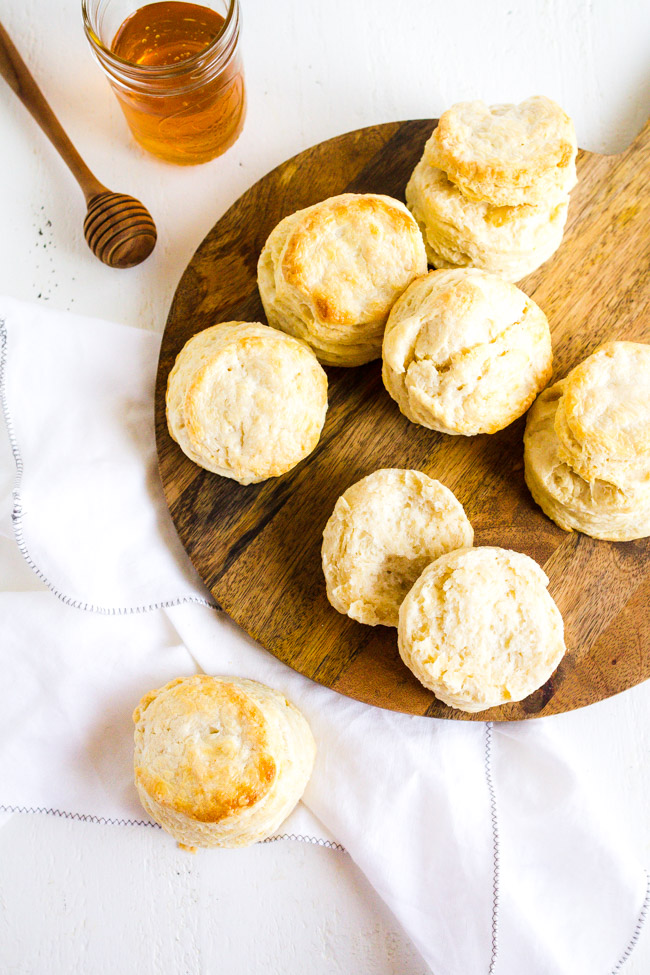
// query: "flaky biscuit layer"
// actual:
[[597, 507], [246, 401], [383, 532], [480, 629], [465, 352], [507, 154], [603, 416], [510, 241]]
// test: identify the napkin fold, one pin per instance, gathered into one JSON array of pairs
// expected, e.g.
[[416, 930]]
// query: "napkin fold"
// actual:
[[483, 839], [89, 514]]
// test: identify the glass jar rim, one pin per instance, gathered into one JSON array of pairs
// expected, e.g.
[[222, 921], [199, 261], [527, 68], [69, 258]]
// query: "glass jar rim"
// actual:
[[158, 70]]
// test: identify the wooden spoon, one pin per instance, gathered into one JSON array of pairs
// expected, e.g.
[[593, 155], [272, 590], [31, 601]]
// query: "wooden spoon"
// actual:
[[118, 229]]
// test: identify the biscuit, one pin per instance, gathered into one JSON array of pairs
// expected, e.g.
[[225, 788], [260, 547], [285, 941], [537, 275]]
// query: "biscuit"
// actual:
[[246, 401], [330, 273], [465, 352], [600, 508], [507, 154], [510, 241], [220, 761], [383, 532], [480, 629], [603, 415]]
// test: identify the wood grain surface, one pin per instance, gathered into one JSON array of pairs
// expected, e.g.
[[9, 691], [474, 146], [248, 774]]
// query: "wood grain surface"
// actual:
[[258, 547]]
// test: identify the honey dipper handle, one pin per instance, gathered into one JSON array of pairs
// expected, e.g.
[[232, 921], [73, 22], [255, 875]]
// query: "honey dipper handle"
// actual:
[[17, 75]]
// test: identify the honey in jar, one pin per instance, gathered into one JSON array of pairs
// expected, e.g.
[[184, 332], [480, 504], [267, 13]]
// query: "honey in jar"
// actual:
[[176, 71]]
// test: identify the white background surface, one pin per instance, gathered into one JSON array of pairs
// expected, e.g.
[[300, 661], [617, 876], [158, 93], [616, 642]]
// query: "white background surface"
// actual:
[[78, 897]]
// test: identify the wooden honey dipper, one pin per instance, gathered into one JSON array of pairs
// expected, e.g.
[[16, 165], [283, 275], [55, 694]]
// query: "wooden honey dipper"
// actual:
[[118, 229]]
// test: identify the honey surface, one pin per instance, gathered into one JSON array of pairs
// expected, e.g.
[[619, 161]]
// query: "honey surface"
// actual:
[[177, 118], [166, 33]]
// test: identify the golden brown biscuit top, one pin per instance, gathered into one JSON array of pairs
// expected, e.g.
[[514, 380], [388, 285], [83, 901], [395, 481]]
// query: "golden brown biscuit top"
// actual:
[[352, 255], [506, 143], [606, 402], [202, 748]]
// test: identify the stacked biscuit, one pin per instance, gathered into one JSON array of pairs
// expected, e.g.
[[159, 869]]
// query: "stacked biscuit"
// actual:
[[492, 188], [587, 445]]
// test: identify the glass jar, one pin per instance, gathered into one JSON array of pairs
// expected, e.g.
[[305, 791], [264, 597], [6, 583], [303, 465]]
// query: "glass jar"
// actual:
[[187, 111]]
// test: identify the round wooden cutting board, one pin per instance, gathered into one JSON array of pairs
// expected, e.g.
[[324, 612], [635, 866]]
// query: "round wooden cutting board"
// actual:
[[258, 547]]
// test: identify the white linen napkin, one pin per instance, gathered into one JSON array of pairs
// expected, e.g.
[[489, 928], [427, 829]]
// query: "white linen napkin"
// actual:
[[482, 839], [89, 514]]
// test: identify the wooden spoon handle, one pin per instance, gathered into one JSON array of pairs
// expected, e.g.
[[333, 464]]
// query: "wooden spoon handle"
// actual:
[[17, 75]]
